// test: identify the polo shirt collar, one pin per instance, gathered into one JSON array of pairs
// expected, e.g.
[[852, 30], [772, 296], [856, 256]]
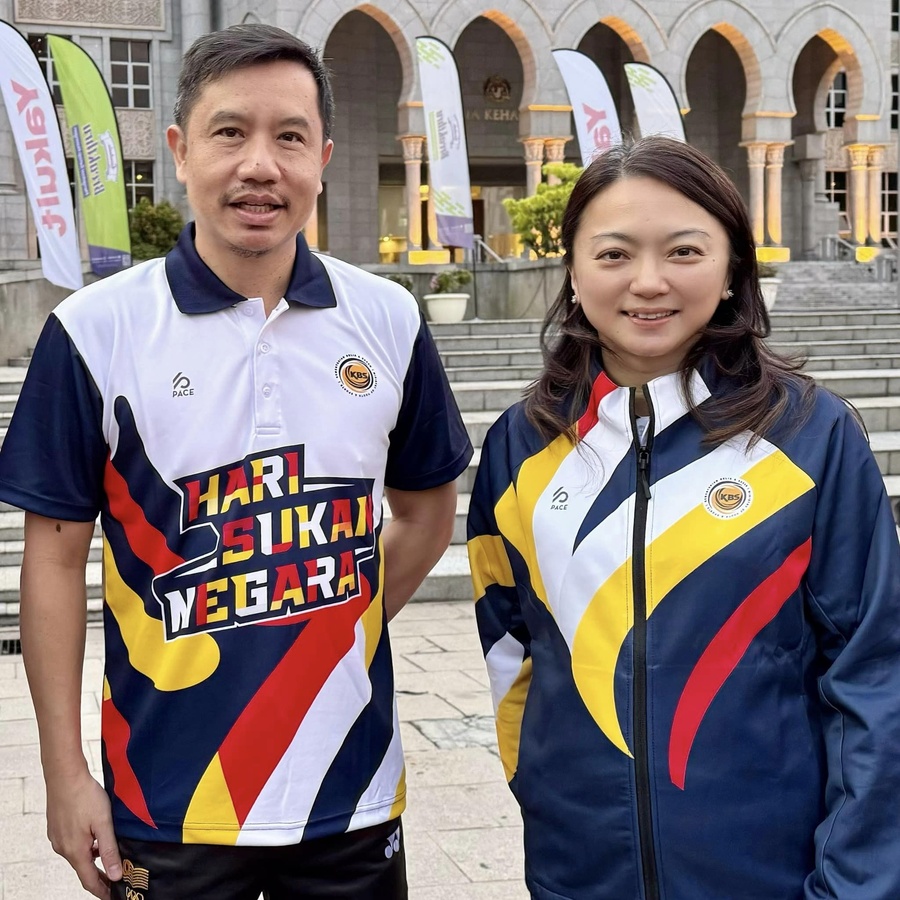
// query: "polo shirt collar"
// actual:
[[197, 289]]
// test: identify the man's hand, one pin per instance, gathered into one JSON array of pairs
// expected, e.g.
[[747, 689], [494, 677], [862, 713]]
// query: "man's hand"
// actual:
[[79, 825]]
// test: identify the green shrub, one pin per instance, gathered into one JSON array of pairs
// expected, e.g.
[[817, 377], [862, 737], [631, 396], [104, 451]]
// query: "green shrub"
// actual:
[[537, 220], [449, 281], [154, 229], [402, 279]]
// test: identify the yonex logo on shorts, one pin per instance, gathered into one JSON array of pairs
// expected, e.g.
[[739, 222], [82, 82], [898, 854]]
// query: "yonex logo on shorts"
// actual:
[[393, 844]]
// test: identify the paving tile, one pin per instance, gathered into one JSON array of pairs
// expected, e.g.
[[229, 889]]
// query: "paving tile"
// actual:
[[52, 877], [24, 839], [414, 643], [424, 706], [479, 674], [445, 662], [449, 807], [492, 890], [453, 734], [440, 683], [485, 854], [35, 794], [12, 798], [462, 641], [402, 665], [413, 739], [19, 732], [15, 764], [429, 627], [472, 703], [432, 611], [427, 864], [469, 765], [14, 687]]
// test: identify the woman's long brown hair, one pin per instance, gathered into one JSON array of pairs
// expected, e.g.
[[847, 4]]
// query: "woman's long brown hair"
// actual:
[[760, 380]]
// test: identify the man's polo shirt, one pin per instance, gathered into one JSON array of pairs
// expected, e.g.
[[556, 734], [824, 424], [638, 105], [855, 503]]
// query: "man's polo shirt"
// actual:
[[238, 463]]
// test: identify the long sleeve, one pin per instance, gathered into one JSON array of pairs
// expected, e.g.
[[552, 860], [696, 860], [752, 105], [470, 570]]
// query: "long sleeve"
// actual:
[[854, 600], [504, 635]]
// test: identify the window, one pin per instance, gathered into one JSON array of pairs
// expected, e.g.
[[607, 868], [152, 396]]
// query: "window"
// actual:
[[889, 204], [895, 15], [138, 181], [39, 45], [836, 103], [895, 105], [130, 73], [836, 191]]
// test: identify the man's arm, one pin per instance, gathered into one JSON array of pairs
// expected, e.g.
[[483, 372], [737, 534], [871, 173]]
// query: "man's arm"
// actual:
[[418, 533], [53, 619]]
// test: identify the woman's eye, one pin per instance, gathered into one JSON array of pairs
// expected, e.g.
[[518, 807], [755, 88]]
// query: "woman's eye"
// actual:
[[686, 251], [612, 255]]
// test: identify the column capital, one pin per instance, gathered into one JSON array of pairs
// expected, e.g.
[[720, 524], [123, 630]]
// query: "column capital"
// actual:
[[876, 156], [534, 150], [756, 153], [859, 155], [555, 149], [412, 147], [775, 154]]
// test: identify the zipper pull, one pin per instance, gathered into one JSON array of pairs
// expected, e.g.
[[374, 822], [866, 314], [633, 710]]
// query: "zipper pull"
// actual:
[[644, 470]]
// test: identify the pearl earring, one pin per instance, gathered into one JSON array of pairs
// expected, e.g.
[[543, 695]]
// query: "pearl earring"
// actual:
[[729, 293], [574, 298]]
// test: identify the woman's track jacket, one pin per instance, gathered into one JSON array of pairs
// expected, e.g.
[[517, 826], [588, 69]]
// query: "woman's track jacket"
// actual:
[[694, 653]]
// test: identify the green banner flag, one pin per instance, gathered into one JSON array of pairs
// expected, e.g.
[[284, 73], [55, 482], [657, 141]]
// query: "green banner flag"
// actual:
[[99, 166]]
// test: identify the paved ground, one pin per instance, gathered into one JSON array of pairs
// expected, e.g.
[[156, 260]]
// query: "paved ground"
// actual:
[[462, 826]]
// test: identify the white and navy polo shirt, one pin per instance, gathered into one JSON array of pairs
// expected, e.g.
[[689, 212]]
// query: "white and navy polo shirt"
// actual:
[[238, 464]]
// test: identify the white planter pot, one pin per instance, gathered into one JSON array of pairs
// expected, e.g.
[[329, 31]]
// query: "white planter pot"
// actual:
[[769, 290], [445, 308]]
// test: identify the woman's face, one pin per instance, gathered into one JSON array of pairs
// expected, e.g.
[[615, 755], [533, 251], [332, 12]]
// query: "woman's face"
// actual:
[[649, 269]]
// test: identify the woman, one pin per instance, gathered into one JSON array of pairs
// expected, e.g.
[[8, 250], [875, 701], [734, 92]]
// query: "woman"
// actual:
[[687, 574]]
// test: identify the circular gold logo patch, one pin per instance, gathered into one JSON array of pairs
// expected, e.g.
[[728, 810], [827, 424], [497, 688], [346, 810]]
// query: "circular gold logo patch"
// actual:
[[356, 375], [728, 497]]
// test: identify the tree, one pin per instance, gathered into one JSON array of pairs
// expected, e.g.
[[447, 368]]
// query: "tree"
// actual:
[[154, 229], [537, 220]]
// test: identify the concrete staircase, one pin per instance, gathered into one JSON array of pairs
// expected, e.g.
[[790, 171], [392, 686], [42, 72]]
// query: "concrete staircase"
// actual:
[[853, 351]]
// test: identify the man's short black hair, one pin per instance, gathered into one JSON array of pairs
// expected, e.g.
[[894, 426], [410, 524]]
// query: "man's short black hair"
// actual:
[[218, 53]]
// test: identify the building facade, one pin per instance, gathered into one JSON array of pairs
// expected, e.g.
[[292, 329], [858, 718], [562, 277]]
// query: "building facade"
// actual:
[[797, 99]]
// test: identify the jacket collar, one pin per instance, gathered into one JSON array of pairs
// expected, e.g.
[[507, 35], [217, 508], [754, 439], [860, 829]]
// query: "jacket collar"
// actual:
[[197, 289]]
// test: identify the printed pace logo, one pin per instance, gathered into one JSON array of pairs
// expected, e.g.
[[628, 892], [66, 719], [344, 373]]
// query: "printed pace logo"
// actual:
[[287, 544], [355, 375], [560, 499], [181, 386], [728, 497]]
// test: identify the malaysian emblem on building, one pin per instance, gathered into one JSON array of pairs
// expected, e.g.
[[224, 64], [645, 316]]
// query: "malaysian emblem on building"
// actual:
[[497, 89]]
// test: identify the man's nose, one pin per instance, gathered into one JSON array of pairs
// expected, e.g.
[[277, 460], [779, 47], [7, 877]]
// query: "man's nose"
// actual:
[[258, 160]]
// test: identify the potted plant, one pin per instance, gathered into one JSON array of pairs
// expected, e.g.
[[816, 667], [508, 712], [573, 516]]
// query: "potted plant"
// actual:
[[402, 279], [768, 281], [446, 303]]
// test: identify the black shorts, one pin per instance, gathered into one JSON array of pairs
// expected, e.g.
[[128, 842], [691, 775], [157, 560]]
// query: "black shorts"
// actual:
[[369, 864]]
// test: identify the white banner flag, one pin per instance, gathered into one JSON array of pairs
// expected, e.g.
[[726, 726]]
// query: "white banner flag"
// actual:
[[32, 117], [654, 101], [448, 159], [593, 108]]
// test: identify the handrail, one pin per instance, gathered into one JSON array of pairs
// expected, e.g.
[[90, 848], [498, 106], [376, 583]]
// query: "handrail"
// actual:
[[833, 247], [486, 250]]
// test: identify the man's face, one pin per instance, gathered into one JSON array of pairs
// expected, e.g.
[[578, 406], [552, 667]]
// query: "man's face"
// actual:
[[251, 155]]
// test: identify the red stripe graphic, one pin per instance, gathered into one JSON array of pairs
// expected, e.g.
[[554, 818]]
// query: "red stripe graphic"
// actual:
[[602, 387], [116, 733], [724, 652], [263, 732], [146, 542]]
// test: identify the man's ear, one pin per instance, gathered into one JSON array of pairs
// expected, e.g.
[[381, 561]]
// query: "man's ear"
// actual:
[[177, 142]]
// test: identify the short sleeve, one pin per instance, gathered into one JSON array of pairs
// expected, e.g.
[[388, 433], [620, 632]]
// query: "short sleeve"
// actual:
[[53, 457], [429, 445]]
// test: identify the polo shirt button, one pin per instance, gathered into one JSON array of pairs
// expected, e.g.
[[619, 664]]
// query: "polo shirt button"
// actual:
[[267, 391], [264, 348]]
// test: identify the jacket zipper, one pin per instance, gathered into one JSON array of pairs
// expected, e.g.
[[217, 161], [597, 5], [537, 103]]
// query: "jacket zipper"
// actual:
[[639, 585]]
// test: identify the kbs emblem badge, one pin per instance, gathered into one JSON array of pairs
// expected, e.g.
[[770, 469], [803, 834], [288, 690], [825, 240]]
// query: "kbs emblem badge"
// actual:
[[355, 375], [728, 497]]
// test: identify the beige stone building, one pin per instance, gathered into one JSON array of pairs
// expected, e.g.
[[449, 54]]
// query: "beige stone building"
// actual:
[[796, 98]]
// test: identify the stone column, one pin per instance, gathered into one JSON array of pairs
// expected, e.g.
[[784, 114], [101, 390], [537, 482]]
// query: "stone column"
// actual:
[[859, 220], [555, 152], [756, 161], [774, 167], [534, 159], [412, 161], [809, 170], [876, 166]]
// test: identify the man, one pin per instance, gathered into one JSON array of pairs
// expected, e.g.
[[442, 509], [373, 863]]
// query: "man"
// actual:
[[235, 414]]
